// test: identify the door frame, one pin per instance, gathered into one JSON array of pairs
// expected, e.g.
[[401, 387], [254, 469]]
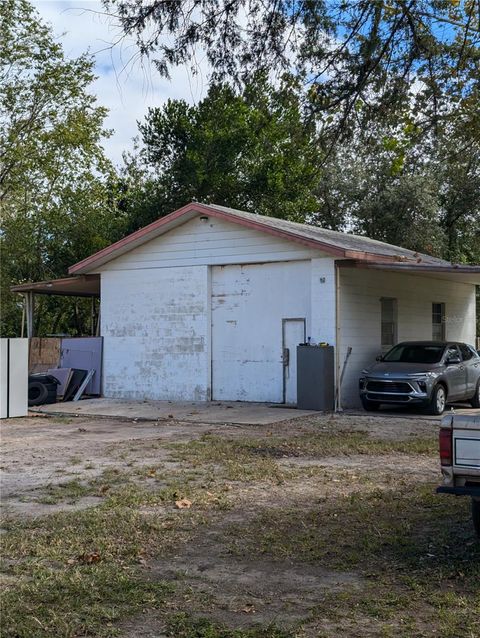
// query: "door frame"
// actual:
[[284, 322]]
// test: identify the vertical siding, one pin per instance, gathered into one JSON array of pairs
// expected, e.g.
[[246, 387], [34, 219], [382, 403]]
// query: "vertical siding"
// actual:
[[360, 295], [156, 331], [248, 305]]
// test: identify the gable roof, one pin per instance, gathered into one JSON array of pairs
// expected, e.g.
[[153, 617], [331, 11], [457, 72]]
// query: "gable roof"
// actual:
[[337, 244]]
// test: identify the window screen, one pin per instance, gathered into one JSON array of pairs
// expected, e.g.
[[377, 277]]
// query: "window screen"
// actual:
[[438, 321], [389, 322]]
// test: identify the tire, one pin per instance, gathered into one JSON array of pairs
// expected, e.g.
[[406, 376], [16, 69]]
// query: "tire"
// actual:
[[370, 406], [37, 393], [476, 515], [438, 401], [475, 400]]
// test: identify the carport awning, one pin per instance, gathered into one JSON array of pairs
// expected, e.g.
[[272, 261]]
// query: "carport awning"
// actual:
[[77, 286], [454, 272]]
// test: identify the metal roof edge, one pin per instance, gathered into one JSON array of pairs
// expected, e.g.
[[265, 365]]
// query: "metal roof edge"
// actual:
[[262, 224]]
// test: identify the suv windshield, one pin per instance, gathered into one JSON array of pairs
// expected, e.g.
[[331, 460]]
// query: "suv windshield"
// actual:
[[415, 353]]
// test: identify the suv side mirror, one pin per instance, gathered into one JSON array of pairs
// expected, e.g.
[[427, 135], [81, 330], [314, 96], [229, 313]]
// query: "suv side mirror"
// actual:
[[379, 357], [453, 360]]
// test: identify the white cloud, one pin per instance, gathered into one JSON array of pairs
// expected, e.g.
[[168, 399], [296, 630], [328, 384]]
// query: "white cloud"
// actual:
[[126, 85]]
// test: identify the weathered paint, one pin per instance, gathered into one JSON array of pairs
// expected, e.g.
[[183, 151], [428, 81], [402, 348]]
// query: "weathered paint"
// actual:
[[248, 305], [323, 301], [156, 331], [216, 242], [204, 304], [360, 293]]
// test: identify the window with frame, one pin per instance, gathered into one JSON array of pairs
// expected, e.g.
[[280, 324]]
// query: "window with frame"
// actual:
[[388, 322], [438, 321]]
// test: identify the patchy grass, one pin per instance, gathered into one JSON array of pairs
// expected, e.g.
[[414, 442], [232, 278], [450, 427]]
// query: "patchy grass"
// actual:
[[69, 492], [255, 459], [415, 549], [185, 626], [402, 561], [77, 573], [75, 601]]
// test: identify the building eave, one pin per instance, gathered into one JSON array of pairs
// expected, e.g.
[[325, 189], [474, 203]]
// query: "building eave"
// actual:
[[184, 214], [460, 272]]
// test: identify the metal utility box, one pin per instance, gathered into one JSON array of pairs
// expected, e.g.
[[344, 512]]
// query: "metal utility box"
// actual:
[[315, 378]]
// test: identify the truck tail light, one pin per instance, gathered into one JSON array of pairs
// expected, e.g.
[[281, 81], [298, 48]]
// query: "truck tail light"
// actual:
[[445, 441]]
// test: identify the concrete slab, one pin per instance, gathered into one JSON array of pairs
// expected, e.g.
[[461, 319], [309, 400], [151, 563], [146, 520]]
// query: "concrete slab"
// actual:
[[198, 412]]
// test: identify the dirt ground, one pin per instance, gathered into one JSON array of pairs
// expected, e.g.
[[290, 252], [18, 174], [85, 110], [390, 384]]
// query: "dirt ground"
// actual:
[[325, 525]]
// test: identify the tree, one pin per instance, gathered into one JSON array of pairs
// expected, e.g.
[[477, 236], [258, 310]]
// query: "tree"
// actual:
[[356, 52], [254, 149], [57, 192]]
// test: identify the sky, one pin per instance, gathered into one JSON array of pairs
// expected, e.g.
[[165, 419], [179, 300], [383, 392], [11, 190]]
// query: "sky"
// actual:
[[125, 85]]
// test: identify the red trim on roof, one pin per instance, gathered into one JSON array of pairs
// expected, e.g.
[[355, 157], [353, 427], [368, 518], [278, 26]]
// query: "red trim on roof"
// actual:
[[110, 251]]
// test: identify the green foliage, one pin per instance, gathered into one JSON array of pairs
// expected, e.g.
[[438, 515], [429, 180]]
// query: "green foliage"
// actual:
[[375, 129], [356, 57], [256, 150], [57, 190]]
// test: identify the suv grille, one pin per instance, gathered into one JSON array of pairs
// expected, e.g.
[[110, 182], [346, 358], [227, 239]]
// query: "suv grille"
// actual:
[[385, 398], [388, 386]]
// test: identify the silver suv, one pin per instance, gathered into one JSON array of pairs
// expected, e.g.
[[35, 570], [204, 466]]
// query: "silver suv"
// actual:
[[428, 373]]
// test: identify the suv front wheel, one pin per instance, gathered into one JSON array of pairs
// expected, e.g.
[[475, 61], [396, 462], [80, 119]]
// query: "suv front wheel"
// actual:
[[438, 401]]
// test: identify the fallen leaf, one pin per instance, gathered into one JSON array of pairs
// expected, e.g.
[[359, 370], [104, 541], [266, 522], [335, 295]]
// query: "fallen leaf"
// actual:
[[89, 558], [183, 503], [249, 609]]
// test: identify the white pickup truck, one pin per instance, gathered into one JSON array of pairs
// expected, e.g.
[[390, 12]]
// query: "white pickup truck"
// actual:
[[460, 459]]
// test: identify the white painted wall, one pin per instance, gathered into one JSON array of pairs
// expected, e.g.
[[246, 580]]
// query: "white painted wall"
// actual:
[[155, 325], [248, 305], [360, 293], [157, 312], [217, 242], [323, 286], [156, 305]]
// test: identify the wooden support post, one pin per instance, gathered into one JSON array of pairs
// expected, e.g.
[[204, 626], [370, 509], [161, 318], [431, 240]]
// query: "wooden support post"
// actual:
[[92, 316], [30, 306], [22, 331], [97, 331]]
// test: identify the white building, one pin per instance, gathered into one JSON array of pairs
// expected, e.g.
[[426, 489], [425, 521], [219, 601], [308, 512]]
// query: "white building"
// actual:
[[201, 304]]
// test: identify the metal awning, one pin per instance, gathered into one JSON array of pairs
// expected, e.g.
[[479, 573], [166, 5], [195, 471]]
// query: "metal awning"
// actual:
[[461, 273], [76, 286]]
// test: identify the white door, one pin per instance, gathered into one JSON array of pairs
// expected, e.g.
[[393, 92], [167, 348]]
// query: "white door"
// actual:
[[294, 333], [248, 305]]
